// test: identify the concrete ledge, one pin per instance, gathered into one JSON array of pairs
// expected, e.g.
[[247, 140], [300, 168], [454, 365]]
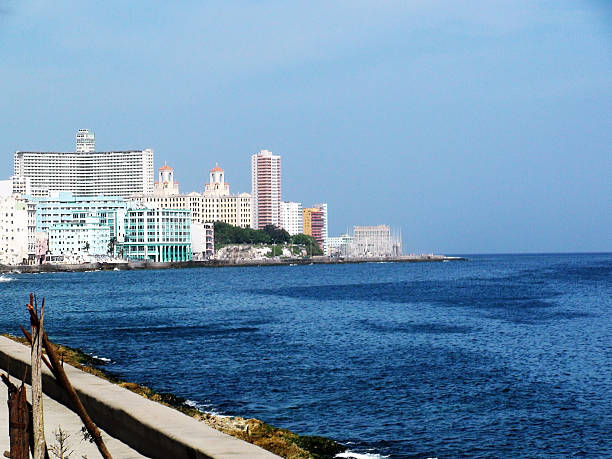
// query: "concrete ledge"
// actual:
[[151, 429]]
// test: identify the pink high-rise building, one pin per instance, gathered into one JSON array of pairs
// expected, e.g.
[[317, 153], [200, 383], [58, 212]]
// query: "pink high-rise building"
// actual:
[[266, 189]]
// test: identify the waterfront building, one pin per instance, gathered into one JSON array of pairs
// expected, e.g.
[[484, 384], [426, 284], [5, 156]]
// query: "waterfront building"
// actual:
[[313, 224], [51, 211], [266, 189], [85, 141], [291, 217], [215, 204], [165, 185], [375, 241], [339, 246], [15, 241], [79, 239], [85, 173], [157, 234], [202, 240]]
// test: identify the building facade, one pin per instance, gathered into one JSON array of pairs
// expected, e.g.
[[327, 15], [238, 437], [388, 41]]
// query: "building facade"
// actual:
[[15, 243], [266, 189], [339, 246], [52, 211], [291, 217], [375, 241], [160, 235], [111, 173], [79, 239], [313, 222], [165, 185], [215, 204], [202, 241], [85, 141], [325, 231]]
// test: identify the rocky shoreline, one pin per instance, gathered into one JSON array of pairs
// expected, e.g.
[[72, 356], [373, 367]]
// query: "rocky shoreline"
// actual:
[[281, 442]]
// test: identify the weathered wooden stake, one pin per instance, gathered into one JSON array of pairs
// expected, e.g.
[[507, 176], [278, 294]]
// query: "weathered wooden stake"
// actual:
[[38, 423], [12, 388], [18, 422]]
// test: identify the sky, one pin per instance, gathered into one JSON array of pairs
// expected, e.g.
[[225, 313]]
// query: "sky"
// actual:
[[472, 127]]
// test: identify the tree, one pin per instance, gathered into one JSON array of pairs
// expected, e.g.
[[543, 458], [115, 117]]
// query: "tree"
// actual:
[[111, 245], [277, 235], [309, 242]]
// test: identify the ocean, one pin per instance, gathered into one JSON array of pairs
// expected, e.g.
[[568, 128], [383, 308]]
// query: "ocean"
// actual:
[[499, 356]]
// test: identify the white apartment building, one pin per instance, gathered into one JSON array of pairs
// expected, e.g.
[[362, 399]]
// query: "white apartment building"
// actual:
[[80, 238], [202, 241], [85, 141], [17, 236], [291, 217], [266, 189], [85, 173], [215, 204]]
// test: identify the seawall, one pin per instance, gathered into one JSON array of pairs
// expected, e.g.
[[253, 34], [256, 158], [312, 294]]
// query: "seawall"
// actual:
[[152, 429], [135, 265]]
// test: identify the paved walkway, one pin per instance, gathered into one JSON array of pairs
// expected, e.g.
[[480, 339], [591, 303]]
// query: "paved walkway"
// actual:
[[57, 415]]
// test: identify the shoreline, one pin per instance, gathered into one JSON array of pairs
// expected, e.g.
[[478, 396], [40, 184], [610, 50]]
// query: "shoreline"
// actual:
[[142, 265], [279, 441]]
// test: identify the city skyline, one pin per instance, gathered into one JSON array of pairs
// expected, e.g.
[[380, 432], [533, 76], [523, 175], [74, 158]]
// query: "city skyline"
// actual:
[[483, 128]]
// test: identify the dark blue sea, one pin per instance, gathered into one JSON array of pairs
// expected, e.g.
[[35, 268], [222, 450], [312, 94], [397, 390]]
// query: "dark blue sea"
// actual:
[[499, 356]]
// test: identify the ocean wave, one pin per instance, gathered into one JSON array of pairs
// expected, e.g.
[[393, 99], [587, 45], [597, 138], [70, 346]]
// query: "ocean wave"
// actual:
[[205, 408], [6, 279]]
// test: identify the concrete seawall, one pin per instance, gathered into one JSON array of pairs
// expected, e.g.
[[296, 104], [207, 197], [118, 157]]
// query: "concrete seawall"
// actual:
[[150, 428], [136, 265]]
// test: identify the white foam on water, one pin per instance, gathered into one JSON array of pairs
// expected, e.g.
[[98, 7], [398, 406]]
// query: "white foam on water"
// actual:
[[205, 408], [3, 278], [352, 455], [104, 359]]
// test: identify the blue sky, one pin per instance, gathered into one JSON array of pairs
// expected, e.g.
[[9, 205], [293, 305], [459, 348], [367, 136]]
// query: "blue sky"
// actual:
[[473, 126]]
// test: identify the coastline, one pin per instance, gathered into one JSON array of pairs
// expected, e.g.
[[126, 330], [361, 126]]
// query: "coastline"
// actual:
[[140, 265], [281, 442]]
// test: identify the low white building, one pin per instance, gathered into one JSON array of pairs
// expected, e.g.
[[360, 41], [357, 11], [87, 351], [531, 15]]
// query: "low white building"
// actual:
[[291, 217], [339, 246], [80, 239], [202, 240]]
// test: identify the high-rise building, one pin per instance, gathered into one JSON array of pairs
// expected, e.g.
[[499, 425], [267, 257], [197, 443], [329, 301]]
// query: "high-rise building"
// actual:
[[325, 233], [314, 224], [111, 173], [291, 217], [85, 141], [266, 189]]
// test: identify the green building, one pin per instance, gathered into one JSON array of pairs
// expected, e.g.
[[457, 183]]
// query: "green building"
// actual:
[[157, 235]]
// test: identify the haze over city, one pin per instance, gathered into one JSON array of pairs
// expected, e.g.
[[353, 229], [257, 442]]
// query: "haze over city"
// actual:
[[473, 128]]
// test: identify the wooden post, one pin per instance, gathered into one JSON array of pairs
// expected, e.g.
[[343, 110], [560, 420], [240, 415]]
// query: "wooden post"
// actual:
[[63, 380], [38, 424], [18, 423]]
